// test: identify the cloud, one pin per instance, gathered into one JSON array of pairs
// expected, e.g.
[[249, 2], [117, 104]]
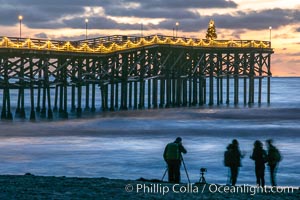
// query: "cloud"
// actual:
[[60, 3], [294, 61], [100, 23], [185, 25], [190, 4], [292, 73], [41, 14], [174, 9], [252, 20], [295, 54], [257, 20], [70, 14], [41, 35], [37, 15], [171, 4], [236, 34], [175, 13]]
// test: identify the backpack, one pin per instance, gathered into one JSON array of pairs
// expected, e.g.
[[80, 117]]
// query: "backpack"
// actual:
[[259, 155], [172, 151], [274, 155], [227, 158]]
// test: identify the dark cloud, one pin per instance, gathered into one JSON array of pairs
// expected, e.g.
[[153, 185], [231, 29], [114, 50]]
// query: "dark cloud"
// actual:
[[258, 20], [190, 4], [35, 15], [174, 9], [99, 23], [236, 34], [175, 13], [277, 60], [294, 61], [41, 35], [185, 25], [252, 20], [41, 3], [295, 54], [171, 4], [39, 14], [51, 14]]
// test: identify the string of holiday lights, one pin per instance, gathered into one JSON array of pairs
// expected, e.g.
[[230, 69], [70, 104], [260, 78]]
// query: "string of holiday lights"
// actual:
[[111, 44]]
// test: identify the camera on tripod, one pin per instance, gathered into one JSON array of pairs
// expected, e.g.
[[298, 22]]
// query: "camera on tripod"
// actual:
[[202, 170], [202, 179]]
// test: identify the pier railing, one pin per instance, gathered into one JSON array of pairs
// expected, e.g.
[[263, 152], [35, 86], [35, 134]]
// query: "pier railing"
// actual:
[[115, 43]]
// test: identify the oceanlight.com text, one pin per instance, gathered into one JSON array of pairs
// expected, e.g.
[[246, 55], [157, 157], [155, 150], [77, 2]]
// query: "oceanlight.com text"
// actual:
[[247, 189]]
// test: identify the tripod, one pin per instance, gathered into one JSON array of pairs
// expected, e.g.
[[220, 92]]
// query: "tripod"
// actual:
[[162, 179], [202, 179], [187, 175]]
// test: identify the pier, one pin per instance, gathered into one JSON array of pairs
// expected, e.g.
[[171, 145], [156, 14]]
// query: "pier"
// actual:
[[128, 72]]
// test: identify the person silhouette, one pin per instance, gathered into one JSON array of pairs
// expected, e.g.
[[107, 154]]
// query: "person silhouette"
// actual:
[[274, 157], [259, 155], [227, 162], [232, 159], [172, 156]]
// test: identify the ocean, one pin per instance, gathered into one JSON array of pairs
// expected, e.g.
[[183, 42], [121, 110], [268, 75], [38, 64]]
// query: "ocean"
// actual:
[[130, 144]]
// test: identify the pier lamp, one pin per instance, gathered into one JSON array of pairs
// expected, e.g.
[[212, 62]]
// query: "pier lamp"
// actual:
[[20, 20], [86, 27], [270, 28], [173, 32], [177, 24], [142, 29]]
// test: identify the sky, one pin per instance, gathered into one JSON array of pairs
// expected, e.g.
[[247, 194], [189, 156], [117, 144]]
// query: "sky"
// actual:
[[234, 19]]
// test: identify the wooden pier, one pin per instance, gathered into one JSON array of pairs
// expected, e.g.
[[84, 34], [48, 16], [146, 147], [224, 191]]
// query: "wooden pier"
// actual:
[[131, 73]]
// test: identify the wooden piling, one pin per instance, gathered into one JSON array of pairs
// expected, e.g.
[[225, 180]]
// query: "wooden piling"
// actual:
[[55, 108], [236, 79], [269, 79], [38, 103], [260, 77], [32, 111], [73, 85], [79, 87], [93, 108], [162, 92], [87, 85]]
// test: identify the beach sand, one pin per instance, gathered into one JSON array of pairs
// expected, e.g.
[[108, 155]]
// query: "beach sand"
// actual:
[[30, 187]]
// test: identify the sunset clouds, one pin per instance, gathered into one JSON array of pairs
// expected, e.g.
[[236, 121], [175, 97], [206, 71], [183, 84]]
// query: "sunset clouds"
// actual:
[[235, 19]]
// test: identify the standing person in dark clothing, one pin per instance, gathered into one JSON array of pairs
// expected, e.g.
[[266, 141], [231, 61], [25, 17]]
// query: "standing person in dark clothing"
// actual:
[[233, 160], [274, 157], [172, 155], [228, 162], [259, 155]]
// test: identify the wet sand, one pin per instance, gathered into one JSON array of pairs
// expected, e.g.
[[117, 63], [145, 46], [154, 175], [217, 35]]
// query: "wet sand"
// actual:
[[28, 187]]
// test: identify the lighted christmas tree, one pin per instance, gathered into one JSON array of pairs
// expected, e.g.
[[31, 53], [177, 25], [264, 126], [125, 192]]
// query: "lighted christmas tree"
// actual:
[[211, 31]]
